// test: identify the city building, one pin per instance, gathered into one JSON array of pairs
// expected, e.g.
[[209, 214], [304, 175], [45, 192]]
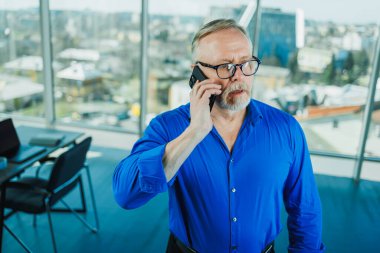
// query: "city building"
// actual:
[[281, 33]]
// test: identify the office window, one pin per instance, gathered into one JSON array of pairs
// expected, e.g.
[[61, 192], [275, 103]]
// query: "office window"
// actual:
[[21, 69], [97, 46], [316, 66], [370, 169], [373, 140], [334, 124]]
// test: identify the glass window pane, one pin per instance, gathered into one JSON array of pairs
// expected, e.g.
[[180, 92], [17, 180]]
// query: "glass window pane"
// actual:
[[97, 47], [316, 66], [21, 69], [373, 140]]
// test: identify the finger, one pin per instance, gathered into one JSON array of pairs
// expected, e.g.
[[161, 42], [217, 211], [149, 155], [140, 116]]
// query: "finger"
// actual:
[[199, 84], [206, 87], [196, 87], [208, 93]]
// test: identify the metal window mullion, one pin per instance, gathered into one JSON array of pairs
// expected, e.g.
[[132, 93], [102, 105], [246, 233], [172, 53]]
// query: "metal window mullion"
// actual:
[[368, 110], [256, 31], [47, 62], [143, 65]]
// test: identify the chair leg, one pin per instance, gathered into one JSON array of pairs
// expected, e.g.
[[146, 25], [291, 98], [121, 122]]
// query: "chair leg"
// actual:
[[17, 239], [38, 170], [51, 225], [92, 196], [84, 206], [34, 220], [94, 230]]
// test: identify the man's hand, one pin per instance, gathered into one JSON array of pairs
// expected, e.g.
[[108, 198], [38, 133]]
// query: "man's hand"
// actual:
[[199, 105], [177, 151]]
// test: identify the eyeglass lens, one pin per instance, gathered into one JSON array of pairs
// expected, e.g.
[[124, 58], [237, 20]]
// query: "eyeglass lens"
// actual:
[[227, 70]]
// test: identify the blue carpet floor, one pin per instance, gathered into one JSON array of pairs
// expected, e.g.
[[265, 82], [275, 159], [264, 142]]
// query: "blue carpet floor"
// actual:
[[351, 218]]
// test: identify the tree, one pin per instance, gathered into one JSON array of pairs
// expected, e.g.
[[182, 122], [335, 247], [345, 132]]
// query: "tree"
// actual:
[[293, 63], [349, 62], [348, 75], [361, 61], [328, 76], [296, 74]]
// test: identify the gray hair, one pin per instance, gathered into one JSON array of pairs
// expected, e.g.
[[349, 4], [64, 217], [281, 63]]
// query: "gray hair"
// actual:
[[212, 27]]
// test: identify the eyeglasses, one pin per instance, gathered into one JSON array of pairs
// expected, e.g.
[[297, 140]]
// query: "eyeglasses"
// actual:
[[227, 70]]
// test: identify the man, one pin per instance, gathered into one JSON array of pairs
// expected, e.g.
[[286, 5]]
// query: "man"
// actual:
[[227, 171]]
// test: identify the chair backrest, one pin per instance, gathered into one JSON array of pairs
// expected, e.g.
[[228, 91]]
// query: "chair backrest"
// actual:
[[68, 165]]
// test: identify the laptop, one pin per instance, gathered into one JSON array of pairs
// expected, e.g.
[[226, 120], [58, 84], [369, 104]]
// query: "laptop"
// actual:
[[10, 145]]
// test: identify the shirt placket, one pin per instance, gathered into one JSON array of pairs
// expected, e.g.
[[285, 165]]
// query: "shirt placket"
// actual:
[[234, 219]]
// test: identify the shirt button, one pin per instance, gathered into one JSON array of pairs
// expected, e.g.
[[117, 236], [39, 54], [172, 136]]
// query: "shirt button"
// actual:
[[233, 190], [232, 160], [234, 219]]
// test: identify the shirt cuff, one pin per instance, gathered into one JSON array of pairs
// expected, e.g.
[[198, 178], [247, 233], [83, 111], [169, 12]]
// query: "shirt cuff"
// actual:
[[152, 177]]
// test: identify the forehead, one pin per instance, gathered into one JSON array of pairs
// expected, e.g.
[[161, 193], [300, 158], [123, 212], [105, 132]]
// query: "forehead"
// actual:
[[225, 45]]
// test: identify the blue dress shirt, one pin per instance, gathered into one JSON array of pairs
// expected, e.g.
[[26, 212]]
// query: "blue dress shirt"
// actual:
[[222, 201]]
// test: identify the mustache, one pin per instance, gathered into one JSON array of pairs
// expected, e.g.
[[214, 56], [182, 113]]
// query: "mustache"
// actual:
[[235, 87]]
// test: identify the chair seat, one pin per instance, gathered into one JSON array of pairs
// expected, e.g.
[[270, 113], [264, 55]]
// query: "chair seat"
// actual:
[[36, 195], [22, 199]]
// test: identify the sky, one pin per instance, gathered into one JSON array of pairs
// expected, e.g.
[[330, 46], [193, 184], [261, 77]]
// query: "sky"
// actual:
[[340, 11]]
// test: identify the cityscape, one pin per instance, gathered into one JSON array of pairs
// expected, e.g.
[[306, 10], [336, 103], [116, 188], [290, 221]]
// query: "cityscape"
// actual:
[[317, 71]]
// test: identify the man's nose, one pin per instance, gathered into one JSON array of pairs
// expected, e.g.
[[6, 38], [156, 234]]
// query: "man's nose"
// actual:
[[238, 74]]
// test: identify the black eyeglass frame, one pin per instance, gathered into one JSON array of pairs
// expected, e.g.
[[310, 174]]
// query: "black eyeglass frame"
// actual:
[[254, 58]]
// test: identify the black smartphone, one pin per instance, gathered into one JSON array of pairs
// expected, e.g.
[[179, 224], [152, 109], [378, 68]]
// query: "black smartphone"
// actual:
[[198, 75]]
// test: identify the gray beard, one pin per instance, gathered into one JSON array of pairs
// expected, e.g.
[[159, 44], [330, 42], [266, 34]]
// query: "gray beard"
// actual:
[[237, 106]]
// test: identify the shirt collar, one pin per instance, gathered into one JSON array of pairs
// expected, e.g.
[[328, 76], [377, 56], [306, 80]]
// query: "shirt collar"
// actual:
[[253, 111]]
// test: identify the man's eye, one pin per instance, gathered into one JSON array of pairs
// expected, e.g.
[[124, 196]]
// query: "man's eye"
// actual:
[[229, 66], [224, 66]]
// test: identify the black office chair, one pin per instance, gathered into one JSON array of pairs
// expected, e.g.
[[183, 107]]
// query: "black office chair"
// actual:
[[36, 195]]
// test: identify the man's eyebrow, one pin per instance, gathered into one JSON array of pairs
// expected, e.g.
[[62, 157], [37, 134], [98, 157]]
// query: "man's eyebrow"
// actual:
[[240, 59], [225, 60], [246, 57]]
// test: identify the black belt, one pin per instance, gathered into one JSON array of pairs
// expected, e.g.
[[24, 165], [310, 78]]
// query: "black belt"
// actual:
[[269, 248], [182, 246], [184, 249]]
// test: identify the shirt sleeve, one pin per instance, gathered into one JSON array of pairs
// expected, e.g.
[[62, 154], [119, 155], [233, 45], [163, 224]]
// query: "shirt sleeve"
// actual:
[[140, 176], [301, 199]]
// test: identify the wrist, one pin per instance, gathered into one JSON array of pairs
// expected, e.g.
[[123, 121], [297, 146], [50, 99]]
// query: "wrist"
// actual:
[[197, 133]]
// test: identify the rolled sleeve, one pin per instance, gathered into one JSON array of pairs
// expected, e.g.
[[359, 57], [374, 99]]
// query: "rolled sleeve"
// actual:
[[152, 177], [140, 176]]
